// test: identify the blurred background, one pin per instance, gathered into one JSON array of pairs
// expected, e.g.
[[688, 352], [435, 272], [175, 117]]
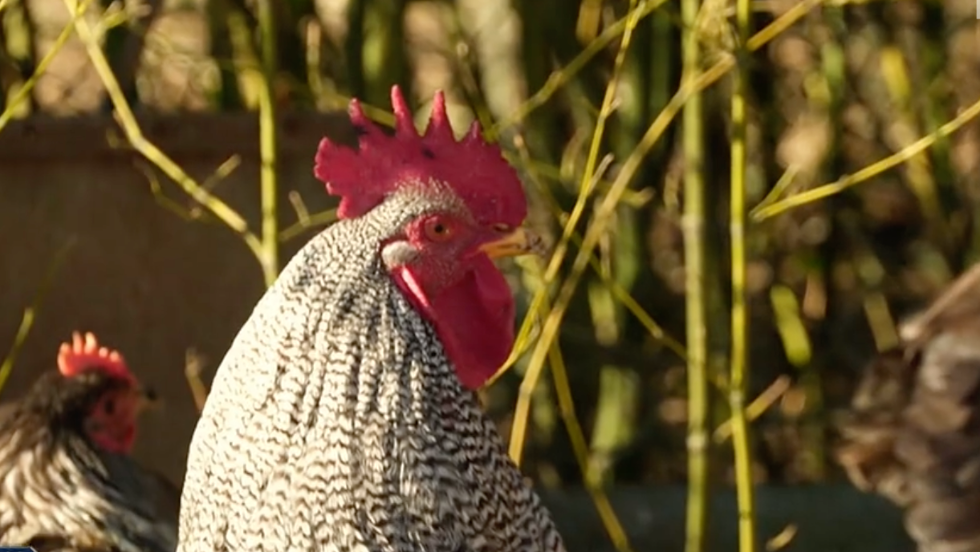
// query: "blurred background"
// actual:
[[136, 232]]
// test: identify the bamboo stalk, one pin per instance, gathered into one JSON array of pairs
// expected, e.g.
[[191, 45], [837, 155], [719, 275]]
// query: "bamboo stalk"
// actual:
[[738, 381], [694, 85], [606, 208], [566, 406], [692, 222], [590, 176], [618, 187], [269, 257]]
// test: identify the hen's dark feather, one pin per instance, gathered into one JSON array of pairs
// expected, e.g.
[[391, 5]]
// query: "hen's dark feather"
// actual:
[[913, 433], [58, 489]]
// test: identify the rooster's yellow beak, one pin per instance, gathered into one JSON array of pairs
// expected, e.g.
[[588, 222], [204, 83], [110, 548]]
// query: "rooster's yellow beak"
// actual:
[[519, 242]]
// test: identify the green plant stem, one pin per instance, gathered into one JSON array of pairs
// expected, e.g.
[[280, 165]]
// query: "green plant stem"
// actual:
[[576, 436], [618, 187], [24, 92], [606, 208], [738, 380], [269, 258], [563, 76], [30, 313], [605, 110], [562, 388], [692, 223], [127, 121], [773, 208], [316, 220]]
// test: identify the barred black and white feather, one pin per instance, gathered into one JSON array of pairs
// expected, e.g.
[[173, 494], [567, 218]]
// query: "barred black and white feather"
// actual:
[[336, 421]]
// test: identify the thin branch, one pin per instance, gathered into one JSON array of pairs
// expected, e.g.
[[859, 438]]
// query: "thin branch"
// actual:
[[905, 154], [193, 366], [127, 120], [632, 164], [27, 320], [757, 407], [304, 220], [564, 75], [590, 176], [24, 92]]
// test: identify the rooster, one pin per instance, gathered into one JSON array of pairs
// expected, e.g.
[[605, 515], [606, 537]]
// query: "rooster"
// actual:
[[67, 481], [913, 431], [344, 416]]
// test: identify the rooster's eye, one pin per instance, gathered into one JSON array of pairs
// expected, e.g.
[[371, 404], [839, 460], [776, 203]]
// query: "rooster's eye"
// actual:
[[437, 230]]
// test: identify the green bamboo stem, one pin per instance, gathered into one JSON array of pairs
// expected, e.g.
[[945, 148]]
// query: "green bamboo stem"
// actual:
[[127, 121], [618, 187], [696, 305], [738, 381], [269, 257], [552, 351], [607, 206]]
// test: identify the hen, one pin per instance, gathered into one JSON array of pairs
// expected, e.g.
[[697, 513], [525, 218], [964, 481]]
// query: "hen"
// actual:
[[67, 481], [913, 431], [344, 417]]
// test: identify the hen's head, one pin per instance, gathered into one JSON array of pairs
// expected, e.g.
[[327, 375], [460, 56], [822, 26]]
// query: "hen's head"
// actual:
[[98, 392], [440, 258]]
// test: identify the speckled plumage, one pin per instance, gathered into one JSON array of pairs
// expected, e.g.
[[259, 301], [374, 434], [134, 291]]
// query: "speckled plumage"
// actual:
[[912, 433], [337, 423], [56, 486]]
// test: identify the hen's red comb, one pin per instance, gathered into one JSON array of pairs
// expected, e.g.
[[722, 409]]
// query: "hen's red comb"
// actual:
[[85, 353], [474, 169]]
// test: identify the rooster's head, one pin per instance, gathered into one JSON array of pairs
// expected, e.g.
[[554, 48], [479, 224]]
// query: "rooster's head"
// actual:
[[463, 206]]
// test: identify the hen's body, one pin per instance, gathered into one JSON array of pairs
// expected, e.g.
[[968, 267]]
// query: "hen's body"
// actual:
[[60, 492], [337, 423], [913, 434]]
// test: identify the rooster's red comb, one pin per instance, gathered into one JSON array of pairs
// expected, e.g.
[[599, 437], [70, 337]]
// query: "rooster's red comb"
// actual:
[[86, 353], [473, 168]]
